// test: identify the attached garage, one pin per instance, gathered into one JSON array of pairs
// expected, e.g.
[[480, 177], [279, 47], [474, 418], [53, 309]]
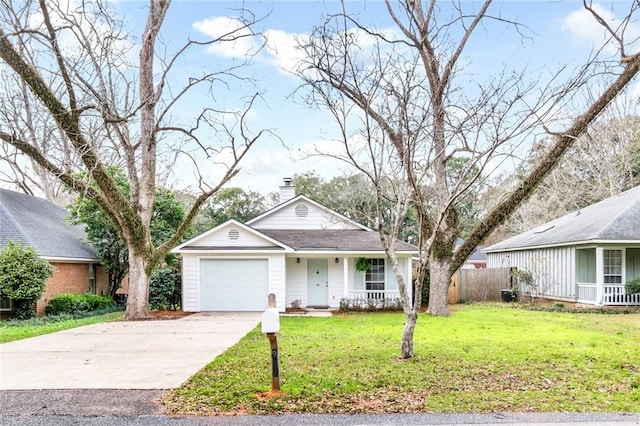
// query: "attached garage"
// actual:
[[234, 284]]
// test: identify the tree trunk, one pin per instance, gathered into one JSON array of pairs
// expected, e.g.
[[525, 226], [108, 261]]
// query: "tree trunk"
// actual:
[[439, 287], [410, 319], [138, 287]]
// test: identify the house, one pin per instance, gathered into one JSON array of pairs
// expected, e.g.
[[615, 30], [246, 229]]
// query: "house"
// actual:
[[476, 260], [300, 251], [38, 223], [586, 256]]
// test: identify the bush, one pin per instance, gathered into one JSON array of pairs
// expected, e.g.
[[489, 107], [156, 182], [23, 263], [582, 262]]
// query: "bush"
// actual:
[[23, 278], [363, 304], [165, 288], [72, 304], [633, 286]]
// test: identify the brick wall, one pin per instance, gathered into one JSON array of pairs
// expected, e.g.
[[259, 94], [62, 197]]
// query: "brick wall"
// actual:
[[67, 278]]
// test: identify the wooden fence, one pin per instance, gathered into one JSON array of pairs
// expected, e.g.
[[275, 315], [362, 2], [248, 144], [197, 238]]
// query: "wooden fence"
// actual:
[[478, 285]]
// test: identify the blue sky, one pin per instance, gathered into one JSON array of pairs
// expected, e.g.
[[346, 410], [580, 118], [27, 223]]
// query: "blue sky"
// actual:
[[557, 33]]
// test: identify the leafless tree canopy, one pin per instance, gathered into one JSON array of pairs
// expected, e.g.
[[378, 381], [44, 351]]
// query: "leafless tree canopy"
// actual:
[[79, 93], [407, 108]]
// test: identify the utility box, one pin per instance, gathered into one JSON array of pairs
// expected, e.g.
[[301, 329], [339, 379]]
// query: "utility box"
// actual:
[[271, 321]]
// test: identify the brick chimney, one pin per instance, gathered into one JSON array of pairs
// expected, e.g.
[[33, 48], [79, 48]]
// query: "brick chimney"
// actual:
[[287, 190]]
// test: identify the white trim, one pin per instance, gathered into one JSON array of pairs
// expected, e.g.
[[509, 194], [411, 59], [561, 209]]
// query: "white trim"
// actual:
[[179, 249], [309, 200], [311, 253], [70, 260], [626, 243]]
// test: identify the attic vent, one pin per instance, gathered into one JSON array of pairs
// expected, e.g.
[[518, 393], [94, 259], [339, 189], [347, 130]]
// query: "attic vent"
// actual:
[[302, 210], [233, 234]]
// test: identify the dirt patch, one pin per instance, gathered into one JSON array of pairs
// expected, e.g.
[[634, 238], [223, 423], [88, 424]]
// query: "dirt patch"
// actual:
[[265, 396], [166, 314]]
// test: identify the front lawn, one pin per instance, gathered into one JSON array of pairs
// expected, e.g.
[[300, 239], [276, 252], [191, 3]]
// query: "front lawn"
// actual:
[[480, 359], [16, 330]]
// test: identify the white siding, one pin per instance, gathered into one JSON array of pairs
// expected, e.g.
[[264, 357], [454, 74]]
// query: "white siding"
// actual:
[[221, 238], [316, 218], [190, 290], [296, 281], [553, 268]]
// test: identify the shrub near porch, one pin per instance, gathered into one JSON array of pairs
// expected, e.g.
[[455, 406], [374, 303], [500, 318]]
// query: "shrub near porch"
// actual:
[[481, 359]]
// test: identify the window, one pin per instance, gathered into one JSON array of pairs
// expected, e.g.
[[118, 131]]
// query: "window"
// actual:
[[374, 278], [612, 266], [6, 305], [92, 278]]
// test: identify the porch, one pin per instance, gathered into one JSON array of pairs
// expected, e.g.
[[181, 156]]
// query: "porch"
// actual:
[[612, 295], [601, 274]]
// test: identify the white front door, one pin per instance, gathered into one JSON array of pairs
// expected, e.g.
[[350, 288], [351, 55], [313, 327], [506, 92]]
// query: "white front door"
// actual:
[[318, 282]]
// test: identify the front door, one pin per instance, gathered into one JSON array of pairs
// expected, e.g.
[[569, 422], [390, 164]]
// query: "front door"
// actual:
[[318, 282]]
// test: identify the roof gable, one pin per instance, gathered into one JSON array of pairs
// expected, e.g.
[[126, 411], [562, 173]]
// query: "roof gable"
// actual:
[[39, 223], [230, 235], [302, 212], [616, 218]]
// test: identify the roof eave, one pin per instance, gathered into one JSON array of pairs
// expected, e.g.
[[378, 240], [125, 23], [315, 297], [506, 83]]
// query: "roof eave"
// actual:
[[570, 243]]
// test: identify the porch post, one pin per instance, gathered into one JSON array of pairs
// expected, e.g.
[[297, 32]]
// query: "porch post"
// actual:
[[345, 276], [410, 277], [599, 276]]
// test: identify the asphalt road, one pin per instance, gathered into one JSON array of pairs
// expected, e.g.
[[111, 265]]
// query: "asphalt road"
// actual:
[[142, 408]]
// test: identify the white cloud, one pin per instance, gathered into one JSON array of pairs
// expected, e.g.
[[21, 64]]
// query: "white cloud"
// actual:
[[236, 40], [584, 27]]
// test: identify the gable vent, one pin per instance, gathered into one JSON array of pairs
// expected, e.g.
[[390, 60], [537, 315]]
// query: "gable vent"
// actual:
[[233, 234], [302, 210]]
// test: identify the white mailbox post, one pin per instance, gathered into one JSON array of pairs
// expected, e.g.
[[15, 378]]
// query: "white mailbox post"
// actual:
[[271, 326]]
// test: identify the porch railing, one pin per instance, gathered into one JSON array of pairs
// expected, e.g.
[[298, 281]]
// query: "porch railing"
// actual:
[[611, 295], [616, 295], [586, 292], [373, 294]]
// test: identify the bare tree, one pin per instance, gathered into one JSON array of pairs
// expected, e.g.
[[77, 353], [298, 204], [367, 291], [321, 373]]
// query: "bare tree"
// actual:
[[603, 162], [95, 105], [414, 111]]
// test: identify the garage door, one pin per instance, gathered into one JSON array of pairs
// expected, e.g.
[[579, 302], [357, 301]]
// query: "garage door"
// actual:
[[234, 284]]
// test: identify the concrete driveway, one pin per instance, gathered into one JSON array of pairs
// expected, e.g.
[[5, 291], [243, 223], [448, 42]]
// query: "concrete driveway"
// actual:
[[159, 354]]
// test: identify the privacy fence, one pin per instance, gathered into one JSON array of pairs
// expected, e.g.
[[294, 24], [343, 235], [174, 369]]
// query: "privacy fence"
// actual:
[[478, 285]]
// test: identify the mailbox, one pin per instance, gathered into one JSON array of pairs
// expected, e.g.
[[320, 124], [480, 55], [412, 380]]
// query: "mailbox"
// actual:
[[271, 321]]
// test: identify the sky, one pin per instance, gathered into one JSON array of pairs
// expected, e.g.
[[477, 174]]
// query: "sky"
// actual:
[[556, 33]]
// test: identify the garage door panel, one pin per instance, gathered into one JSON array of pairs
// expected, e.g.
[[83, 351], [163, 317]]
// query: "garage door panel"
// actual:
[[234, 284]]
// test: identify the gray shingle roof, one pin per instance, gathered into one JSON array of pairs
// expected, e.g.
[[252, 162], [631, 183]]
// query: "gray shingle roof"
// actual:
[[41, 224], [614, 219], [332, 239]]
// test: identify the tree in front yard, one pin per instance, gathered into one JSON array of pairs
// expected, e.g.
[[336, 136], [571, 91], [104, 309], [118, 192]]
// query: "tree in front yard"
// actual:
[[70, 67], [112, 251], [23, 277], [417, 120]]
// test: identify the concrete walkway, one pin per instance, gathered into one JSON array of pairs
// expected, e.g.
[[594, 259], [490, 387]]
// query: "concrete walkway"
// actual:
[[160, 354]]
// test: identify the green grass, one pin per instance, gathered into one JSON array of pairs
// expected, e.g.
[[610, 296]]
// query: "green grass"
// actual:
[[480, 359], [10, 330]]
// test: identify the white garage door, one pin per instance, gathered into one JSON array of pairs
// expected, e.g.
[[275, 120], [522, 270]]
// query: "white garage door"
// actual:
[[234, 284]]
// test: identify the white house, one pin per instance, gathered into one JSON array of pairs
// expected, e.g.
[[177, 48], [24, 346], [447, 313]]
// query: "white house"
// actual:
[[586, 256], [299, 250]]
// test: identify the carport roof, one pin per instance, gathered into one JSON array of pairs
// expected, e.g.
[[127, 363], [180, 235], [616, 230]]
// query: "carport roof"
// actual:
[[332, 240]]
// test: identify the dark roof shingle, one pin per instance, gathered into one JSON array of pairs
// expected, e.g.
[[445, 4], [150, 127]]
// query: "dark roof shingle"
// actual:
[[332, 239], [36, 222], [616, 218]]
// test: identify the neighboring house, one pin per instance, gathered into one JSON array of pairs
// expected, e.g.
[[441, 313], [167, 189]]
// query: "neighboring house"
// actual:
[[476, 260], [299, 250], [586, 256], [38, 223]]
